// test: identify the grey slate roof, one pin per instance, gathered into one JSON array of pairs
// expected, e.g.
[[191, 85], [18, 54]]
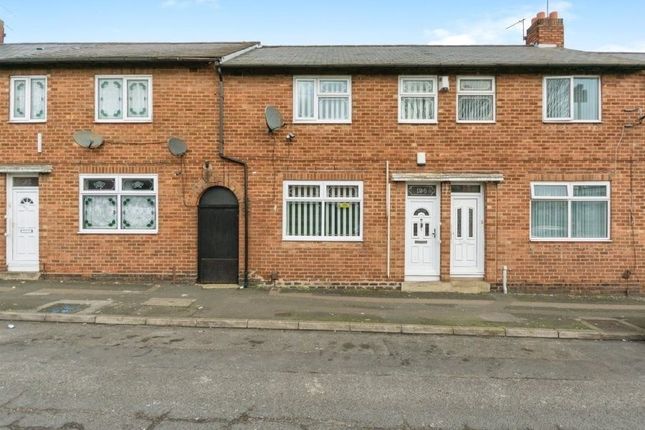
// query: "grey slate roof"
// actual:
[[41, 53], [402, 56], [638, 56]]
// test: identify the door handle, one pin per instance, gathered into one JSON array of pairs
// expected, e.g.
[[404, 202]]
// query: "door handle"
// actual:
[[434, 233]]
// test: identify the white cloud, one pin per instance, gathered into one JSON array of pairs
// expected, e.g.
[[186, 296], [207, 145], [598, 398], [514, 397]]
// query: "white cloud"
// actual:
[[491, 28], [181, 4]]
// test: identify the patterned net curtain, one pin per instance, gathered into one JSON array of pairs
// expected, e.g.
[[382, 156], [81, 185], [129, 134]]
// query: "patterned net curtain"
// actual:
[[19, 98], [137, 98], [38, 97], [138, 212], [110, 98]]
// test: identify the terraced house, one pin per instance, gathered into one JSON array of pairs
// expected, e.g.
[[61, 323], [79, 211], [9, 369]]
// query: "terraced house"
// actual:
[[415, 166]]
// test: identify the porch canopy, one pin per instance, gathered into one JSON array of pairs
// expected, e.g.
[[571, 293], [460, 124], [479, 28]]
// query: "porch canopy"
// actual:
[[448, 177]]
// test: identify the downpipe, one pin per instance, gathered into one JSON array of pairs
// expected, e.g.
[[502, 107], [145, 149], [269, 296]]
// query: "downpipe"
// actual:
[[239, 162], [505, 279]]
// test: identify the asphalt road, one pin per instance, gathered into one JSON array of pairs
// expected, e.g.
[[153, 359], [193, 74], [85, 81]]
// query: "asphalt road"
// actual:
[[70, 376]]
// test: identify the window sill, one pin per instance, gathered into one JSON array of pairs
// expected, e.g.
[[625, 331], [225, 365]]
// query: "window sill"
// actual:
[[325, 239], [124, 232], [19, 121], [475, 122], [433, 122], [569, 240], [129, 121], [320, 122], [568, 121]]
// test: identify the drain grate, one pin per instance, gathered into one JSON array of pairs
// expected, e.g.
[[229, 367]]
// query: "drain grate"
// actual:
[[65, 308]]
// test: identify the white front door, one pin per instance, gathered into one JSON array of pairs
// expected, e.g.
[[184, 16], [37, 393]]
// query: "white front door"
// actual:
[[22, 224], [422, 233], [467, 234]]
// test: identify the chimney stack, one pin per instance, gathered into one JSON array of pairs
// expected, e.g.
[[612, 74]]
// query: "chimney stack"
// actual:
[[546, 31], [2, 35]]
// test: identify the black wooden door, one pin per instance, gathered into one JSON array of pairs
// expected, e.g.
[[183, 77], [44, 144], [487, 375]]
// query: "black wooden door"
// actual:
[[218, 237]]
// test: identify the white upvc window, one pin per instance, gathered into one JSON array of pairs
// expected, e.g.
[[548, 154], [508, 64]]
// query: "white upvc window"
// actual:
[[323, 211], [124, 98], [28, 99], [417, 99], [125, 204], [572, 99], [570, 211], [322, 99], [475, 99]]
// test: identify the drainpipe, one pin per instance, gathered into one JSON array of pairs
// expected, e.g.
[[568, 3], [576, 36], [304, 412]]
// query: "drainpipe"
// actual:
[[505, 279], [237, 161]]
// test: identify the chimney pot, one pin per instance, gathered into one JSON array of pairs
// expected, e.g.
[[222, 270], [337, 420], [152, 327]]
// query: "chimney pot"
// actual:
[[553, 15], [541, 15]]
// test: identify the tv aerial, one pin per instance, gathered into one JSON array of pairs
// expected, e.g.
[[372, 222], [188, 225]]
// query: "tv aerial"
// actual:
[[273, 118], [88, 139], [177, 146]]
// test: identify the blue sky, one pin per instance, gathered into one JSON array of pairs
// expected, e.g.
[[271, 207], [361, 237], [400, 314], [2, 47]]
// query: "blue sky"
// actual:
[[589, 24]]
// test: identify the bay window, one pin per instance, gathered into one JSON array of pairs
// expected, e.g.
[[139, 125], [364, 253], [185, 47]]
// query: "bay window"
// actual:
[[324, 211], [570, 211]]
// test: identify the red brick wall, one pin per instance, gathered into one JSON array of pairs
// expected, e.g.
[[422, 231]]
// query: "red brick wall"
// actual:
[[185, 105], [519, 145]]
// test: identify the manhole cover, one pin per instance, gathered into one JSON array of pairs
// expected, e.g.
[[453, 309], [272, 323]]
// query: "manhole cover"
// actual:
[[65, 308]]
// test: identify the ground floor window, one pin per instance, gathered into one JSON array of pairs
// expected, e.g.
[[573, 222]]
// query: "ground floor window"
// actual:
[[118, 203], [329, 210], [570, 210]]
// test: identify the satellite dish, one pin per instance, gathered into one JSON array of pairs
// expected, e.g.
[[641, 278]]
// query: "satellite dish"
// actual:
[[177, 147], [273, 118], [88, 139]]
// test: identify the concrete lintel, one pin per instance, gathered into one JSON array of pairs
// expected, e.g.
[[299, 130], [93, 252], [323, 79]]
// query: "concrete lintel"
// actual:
[[26, 168]]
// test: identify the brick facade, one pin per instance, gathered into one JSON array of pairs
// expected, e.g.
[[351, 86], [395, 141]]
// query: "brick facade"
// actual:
[[519, 145], [185, 105]]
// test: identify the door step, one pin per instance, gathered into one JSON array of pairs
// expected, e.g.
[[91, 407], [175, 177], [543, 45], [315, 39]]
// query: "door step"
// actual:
[[19, 276], [463, 286]]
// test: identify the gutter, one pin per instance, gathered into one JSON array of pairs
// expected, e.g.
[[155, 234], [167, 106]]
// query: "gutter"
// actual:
[[237, 161]]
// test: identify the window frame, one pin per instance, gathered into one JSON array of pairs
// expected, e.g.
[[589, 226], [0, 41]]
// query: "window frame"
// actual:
[[492, 92], [125, 118], [570, 118], [27, 118], [569, 198], [322, 199], [434, 93], [119, 192], [317, 78]]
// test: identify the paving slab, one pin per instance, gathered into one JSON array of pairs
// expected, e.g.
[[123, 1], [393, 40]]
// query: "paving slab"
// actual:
[[479, 331], [323, 325], [171, 302]]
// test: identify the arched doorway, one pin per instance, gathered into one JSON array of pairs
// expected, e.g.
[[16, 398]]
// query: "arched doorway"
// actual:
[[218, 241]]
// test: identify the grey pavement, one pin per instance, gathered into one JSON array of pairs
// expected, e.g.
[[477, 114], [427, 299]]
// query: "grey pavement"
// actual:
[[72, 376], [342, 310]]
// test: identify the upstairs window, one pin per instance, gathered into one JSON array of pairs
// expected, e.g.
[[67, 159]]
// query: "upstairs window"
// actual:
[[570, 211], [475, 99], [118, 204], [325, 211], [322, 99], [28, 99], [123, 98], [418, 99], [572, 98]]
